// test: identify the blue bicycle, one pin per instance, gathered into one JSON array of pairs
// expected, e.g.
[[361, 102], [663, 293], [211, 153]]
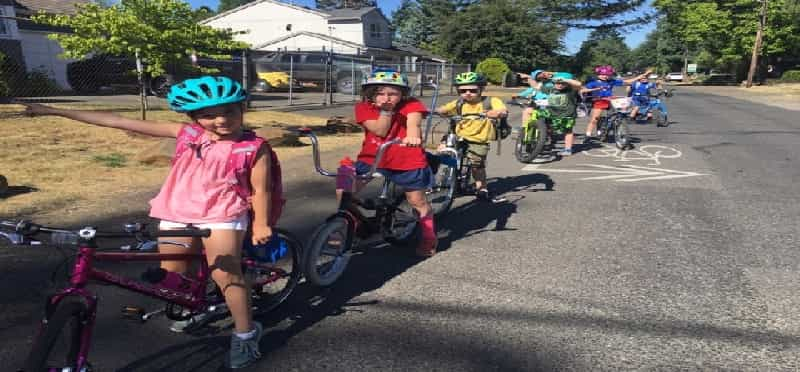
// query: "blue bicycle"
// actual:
[[655, 109]]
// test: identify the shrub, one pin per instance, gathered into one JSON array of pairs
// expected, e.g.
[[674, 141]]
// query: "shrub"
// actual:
[[494, 69], [791, 75]]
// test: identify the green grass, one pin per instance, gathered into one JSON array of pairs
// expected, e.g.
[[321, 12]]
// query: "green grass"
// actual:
[[114, 160]]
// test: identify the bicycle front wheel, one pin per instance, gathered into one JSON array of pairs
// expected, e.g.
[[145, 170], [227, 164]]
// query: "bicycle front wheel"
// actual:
[[328, 252], [273, 281], [621, 133], [59, 343], [441, 195]]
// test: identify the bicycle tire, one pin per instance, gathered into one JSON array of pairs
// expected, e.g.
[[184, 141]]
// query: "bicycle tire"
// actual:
[[441, 195], [621, 133], [523, 151], [604, 129], [59, 321], [404, 229], [660, 118], [538, 137], [327, 273], [268, 295]]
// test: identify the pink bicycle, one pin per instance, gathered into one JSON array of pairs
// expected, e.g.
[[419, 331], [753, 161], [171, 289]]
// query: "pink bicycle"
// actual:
[[65, 337]]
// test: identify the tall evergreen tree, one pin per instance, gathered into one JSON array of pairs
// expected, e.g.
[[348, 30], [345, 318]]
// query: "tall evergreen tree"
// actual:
[[225, 5]]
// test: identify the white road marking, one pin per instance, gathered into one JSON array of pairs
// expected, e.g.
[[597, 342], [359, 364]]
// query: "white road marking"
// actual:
[[651, 153], [621, 173]]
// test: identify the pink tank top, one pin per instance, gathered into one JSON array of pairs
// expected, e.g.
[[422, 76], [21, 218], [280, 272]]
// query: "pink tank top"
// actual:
[[197, 189]]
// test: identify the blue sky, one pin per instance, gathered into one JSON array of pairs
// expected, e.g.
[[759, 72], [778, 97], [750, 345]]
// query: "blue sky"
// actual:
[[573, 39]]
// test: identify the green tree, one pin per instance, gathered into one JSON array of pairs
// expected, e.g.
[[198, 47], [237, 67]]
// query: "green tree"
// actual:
[[226, 5], [502, 29], [408, 24], [162, 32], [604, 46], [723, 31]]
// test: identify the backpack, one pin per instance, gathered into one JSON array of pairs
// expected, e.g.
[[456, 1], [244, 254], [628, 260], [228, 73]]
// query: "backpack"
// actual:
[[242, 160], [503, 129]]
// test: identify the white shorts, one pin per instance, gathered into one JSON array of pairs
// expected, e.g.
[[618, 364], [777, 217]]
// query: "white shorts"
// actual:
[[240, 223]]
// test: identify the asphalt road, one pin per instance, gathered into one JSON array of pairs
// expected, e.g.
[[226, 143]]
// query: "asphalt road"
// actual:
[[678, 255]]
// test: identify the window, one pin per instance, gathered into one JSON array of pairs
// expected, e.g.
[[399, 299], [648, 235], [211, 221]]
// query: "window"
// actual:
[[3, 27], [374, 31]]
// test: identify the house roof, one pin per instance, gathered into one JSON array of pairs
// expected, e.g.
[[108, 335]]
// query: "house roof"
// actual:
[[245, 6], [345, 14], [312, 34], [419, 52], [50, 6]]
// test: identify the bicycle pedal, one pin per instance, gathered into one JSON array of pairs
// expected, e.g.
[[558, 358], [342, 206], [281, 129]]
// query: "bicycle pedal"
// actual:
[[133, 313]]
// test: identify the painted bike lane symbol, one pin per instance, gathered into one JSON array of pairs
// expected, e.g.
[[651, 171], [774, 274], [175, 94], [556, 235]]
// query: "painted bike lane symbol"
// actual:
[[650, 153]]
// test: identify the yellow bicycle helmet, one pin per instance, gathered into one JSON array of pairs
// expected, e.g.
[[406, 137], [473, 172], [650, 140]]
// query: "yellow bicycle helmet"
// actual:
[[470, 78]]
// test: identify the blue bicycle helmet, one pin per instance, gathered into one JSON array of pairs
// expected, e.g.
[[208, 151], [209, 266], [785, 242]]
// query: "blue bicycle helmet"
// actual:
[[534, 73], [205, 91]]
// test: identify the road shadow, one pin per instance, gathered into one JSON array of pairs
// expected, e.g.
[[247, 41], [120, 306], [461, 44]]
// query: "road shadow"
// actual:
[[17, 190], [476, 216]]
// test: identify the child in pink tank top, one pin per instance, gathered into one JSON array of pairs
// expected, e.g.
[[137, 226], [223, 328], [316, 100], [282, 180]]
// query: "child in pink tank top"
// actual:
[[199, 190]]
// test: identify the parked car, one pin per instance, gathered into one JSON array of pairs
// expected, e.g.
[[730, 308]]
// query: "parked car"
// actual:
[[310, 67], [100, 71], [674, 76], [275, 81]]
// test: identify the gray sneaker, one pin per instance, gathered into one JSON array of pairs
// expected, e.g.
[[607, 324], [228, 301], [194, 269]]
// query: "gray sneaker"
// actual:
[[181, 326], [245, 352]]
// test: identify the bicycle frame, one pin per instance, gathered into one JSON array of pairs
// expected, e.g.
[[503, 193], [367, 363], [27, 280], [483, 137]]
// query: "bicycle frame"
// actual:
[[83, 272], [347, 205]]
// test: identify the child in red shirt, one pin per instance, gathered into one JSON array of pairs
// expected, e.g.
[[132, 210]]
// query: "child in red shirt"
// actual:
[[387, 112]]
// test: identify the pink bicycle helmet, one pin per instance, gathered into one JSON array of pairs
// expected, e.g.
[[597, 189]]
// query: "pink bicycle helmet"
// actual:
[[604, 70]]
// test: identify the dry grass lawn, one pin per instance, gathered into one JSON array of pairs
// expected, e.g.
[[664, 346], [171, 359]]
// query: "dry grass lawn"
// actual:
[[55, 165]]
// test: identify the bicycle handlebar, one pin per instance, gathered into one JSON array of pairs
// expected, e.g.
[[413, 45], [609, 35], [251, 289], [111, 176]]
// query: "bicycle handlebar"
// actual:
[[318, 166], [21, 232]]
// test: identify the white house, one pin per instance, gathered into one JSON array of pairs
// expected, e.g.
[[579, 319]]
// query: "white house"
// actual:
[[27, 42], [275, 25]]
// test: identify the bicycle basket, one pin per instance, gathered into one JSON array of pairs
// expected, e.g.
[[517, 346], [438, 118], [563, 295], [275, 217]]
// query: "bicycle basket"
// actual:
[[270, 251], [621, 103]]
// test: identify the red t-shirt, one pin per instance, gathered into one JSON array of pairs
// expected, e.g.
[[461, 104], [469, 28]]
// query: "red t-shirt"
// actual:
[[396, 157]]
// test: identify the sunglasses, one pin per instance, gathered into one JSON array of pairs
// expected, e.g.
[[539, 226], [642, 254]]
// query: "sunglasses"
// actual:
[[468, 91]]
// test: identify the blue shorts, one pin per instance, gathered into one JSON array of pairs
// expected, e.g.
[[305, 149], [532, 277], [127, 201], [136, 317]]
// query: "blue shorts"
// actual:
[[410, 180], [641, 101]]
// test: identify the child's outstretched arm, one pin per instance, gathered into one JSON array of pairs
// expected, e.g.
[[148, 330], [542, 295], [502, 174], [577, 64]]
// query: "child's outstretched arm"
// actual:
[[107, 119], [260, 180]]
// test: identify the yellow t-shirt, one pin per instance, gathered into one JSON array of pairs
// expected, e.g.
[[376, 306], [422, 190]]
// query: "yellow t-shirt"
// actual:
[[471, 128]]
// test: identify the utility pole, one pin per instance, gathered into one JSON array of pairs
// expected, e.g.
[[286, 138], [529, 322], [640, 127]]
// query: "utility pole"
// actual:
[[762, 21]]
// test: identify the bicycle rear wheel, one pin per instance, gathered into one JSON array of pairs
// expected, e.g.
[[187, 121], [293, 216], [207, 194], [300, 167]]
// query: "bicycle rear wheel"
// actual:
[[273, 282], [328, 252], [59, 342]]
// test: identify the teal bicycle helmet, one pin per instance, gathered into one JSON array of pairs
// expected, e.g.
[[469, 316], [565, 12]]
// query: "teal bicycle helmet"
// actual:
[[203, 92], [562, 76], [535, 73]]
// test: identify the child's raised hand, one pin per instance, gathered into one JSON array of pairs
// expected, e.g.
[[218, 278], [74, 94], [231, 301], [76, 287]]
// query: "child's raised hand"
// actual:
[[412, 141], [261, 234]]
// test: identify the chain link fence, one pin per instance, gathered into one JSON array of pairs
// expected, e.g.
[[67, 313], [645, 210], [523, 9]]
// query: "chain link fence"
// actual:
[[274, 78]]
